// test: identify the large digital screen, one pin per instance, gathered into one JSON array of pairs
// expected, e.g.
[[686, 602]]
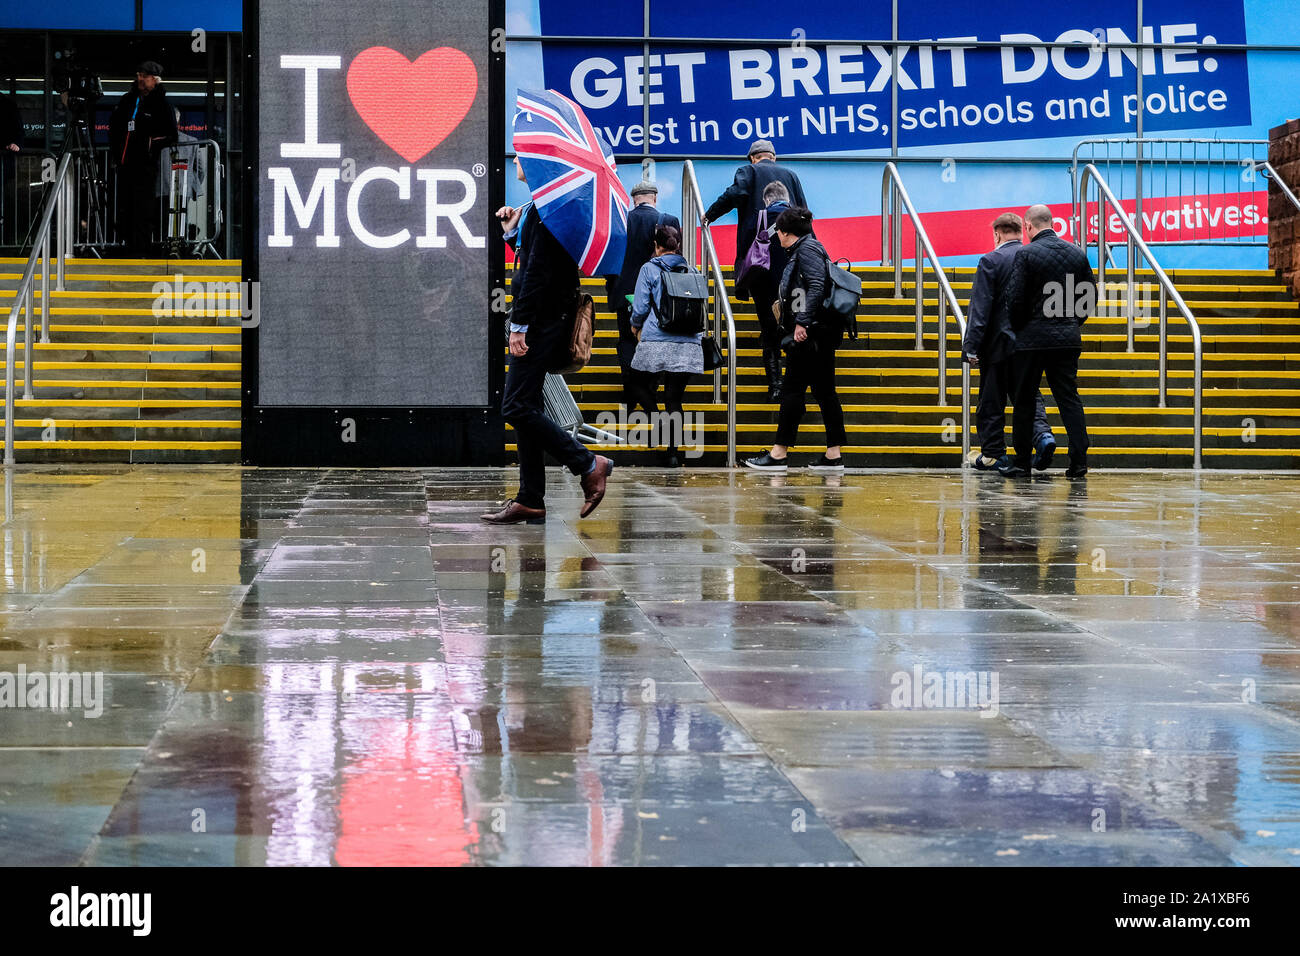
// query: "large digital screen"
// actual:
[[373, 172]]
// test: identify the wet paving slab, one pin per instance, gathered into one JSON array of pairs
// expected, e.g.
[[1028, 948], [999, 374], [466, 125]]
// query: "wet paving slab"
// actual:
[[345, 667]]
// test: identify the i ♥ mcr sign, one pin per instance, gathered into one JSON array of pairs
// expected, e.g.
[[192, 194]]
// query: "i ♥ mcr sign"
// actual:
[[374, 159]]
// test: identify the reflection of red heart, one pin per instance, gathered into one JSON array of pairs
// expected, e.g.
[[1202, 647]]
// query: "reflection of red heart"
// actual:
[[412, 106]]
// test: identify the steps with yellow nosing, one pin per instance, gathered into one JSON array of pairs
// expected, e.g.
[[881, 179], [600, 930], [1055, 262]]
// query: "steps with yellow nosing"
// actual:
[[890, 390], [143, 362]]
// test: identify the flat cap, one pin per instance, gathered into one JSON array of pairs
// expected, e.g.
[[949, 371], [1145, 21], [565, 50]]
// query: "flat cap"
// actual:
[[762, 146], [150, 68], [644, 186]]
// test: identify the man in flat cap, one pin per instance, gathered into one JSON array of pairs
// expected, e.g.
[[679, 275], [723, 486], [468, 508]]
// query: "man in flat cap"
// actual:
[[141, 126], [642, 221], [745, 195]]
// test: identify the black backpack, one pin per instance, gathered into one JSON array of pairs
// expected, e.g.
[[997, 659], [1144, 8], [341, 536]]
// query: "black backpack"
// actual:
[[845, 292], [683, 304]]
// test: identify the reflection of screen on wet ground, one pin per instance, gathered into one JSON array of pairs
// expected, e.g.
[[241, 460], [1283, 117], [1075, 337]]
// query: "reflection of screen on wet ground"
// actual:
[[373, 141]]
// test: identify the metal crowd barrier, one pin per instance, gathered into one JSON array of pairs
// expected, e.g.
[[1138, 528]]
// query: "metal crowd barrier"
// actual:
[[1148, 170], [22, 184]]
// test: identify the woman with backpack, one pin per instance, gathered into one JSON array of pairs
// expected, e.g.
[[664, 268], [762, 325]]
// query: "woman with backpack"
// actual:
[[812, 334], [677, 355]]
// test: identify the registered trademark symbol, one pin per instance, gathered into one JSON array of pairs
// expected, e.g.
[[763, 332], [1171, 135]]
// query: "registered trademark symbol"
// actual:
[[479, 169]]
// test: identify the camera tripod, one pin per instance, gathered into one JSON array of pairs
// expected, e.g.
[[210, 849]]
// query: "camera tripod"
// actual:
[[95, 191]]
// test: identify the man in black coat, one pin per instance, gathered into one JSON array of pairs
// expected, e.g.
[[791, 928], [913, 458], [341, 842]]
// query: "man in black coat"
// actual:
[[989, 343], [141, 126], [745, 194], [642, 221], [544, 290], [1050, 293]]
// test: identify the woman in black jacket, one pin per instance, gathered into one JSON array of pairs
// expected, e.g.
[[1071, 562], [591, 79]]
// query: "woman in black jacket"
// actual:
[[812, 334]]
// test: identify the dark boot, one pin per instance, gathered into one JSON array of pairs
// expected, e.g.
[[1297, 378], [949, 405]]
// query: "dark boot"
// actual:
[[772, 365]]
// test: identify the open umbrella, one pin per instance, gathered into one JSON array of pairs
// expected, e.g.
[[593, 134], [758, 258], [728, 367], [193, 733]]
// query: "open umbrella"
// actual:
[[573, 179]]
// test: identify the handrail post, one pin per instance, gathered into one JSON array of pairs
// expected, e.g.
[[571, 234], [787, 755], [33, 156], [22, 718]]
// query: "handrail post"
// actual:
[[61, 209], [1196, 402], [943, 348], [45, 288], [1164, 339], [965, 413], [29, 366], [719, 290], [896, 237], [1132, 280], [920, 296], [884, 219]]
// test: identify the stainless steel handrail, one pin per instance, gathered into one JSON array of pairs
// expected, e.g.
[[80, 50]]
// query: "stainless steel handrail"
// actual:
[[1267, 168], [891, 249], [1090, 173], [56, 201], [692, 219]]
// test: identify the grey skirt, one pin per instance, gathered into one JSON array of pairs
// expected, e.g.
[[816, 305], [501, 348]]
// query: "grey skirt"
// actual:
[[668, 357]]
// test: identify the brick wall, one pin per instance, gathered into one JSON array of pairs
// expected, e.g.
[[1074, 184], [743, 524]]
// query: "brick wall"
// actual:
[[1284, 218]]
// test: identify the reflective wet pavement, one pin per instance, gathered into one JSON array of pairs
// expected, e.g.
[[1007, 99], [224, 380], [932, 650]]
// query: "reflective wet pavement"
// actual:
[[346, 667]]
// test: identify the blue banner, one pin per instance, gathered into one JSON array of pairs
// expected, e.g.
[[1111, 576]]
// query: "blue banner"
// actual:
[[823, 97]]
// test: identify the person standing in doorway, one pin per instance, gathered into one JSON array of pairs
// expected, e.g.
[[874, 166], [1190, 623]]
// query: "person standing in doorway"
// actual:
[[140, 127]]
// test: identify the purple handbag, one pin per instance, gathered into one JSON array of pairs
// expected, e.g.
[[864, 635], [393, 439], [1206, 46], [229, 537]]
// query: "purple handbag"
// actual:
[[758, 260]]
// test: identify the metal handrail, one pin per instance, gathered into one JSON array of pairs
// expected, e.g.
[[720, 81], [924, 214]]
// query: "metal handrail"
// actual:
[[891, 247], [692, 219], [1135, 242], [57, 200], [1267, 168]]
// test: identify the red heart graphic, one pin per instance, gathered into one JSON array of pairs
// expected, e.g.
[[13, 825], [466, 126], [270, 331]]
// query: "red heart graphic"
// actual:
[[412, 106]]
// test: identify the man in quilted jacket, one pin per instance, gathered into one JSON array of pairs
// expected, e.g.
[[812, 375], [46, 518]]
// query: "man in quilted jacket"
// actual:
[[1050, 293]]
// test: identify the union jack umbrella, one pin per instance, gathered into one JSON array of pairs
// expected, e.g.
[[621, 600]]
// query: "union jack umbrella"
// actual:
[[573, 179]]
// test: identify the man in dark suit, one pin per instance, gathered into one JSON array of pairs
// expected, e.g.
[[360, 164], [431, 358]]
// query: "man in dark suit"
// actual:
[[544, 290], [642, 221], [1050, 293], [745, 194], [989, 344]]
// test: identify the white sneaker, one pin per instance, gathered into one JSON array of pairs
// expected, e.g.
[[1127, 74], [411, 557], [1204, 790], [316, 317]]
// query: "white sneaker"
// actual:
[[827, 464]]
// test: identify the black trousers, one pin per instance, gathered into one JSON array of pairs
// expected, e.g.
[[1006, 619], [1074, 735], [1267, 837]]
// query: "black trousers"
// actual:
[[996, 380], [638, 387], [138, 209], [769, 326], [811, 365], [674, 391], [1062, 369], [522, 406]]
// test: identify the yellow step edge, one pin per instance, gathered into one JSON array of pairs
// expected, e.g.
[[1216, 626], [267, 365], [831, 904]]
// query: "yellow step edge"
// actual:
[[130, 347], [125, 403], [135, 423], [95, 310], [118, 277], [143, 445], [121, 383], [57, 327], [955, 450], [134, 366]]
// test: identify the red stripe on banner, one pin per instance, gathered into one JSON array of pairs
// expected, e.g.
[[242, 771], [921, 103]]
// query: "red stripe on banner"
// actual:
[[965, 232]]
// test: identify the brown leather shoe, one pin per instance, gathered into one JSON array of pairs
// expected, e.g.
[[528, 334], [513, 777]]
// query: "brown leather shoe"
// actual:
[[593, 485], [514, 513]]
